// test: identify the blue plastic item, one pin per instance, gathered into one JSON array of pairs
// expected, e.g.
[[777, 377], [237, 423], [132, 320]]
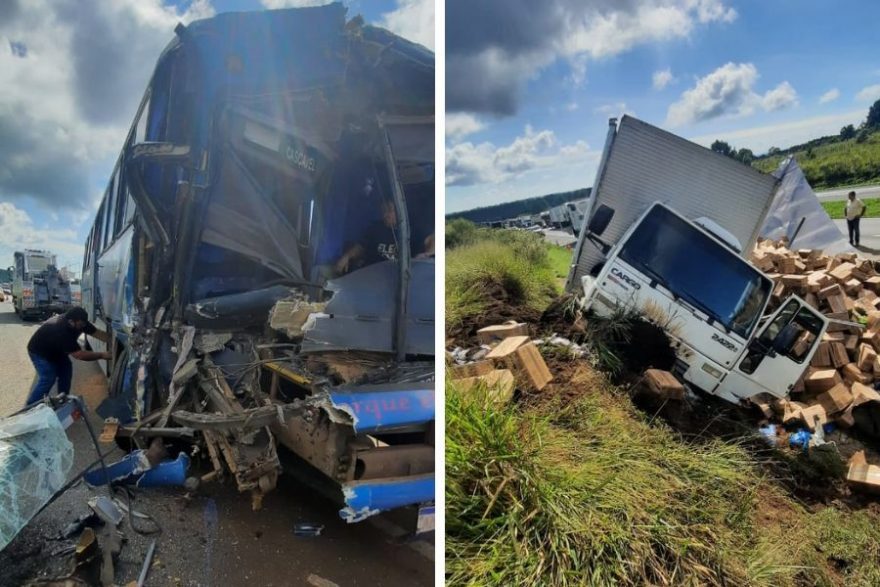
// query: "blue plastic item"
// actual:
[[166, 473], [800, 438], [134, 469], [829, 427]]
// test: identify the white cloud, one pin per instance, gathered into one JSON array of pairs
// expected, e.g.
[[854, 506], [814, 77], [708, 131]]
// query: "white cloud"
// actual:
[[615, 109], [869, 94], [412, 20], [728, 91], [572, 106], [781, 97], [493, 52], [760, 138], [661, 79], [18, 231], [272, 4], [829, 96], [69, 96], [484, 163], [460, 125]]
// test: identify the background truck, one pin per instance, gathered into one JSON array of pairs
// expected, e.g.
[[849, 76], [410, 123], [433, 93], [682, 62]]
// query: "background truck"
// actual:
[[653, 240], [39, 289]]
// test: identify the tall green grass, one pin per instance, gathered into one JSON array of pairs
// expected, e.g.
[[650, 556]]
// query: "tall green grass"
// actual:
[[586, 491], [490, 262], [837, 209]]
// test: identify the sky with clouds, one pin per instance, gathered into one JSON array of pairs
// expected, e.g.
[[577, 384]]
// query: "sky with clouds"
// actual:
[[529, 92], [73, 73]]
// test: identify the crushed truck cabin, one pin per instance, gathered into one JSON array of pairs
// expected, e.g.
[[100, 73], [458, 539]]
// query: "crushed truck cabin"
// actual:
[[263, 256]]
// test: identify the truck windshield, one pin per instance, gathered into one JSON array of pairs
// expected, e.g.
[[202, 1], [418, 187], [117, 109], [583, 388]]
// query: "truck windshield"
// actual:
[[38, 264], [698, 269]]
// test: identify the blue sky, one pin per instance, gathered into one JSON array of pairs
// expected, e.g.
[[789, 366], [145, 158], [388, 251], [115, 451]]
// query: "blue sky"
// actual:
[[749, 72], [73, 73]]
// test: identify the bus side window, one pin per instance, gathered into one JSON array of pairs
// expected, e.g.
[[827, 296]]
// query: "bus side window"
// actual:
[[109, 208], [121, 204], [99, 224]]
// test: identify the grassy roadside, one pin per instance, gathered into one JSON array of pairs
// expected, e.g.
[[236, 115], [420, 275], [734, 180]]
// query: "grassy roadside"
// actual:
[[586, 490], [836, 209], [486, 262], [575, 486]]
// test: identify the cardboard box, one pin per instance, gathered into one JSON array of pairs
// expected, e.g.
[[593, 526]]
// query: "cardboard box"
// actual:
[[829, 291], [764, 402], [839, 356], [493, 334], [813, 417], [837, 303], [499, 384], [822, 380], [861, 475], [851, 374], [792, 411], [527, 365], [846, 418], [867, 354], [471, 369], [863, 394], [822, 357], [843, 272], [664, 384], [836, 399], [507, 346]]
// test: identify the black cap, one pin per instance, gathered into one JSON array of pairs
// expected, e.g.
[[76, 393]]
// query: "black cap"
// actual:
[[77, 314]]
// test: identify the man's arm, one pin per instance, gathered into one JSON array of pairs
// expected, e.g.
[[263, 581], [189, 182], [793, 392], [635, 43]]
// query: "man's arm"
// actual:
[[82, 355], [347, 257]]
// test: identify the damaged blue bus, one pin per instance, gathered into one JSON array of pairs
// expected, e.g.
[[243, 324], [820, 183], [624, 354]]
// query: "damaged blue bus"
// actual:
[[263, 256]]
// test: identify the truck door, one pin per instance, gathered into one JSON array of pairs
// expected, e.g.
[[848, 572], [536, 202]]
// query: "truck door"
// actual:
[[779, 355]]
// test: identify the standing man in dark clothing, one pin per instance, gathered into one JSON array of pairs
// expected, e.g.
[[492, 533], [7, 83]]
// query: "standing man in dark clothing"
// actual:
[[51, 346], [855, 209]]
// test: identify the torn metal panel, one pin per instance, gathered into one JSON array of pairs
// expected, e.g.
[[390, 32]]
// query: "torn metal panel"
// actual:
[[291, 317], [360, 316], [235, 310], [377, 408], [365, 499]]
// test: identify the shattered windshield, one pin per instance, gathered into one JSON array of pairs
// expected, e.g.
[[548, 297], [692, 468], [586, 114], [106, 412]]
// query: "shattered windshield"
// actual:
[[698, 269]]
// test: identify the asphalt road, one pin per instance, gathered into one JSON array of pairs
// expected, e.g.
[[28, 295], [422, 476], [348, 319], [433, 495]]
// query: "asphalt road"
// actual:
[[869, 229], [559, 237], [871, 191], [211, 537]]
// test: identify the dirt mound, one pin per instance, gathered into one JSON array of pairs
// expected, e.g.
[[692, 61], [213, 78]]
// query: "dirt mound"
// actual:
[[563, 318], [500, 307]]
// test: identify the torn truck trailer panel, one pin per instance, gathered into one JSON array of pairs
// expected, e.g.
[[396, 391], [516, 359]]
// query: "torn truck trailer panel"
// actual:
[[365, 499], [378, 408]]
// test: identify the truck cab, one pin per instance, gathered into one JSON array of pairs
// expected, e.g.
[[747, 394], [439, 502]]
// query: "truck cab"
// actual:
[[688, 277], [38, 288]]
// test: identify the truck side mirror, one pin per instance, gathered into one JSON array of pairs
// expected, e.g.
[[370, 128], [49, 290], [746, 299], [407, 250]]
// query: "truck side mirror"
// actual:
[[600, 220], [785, 340]]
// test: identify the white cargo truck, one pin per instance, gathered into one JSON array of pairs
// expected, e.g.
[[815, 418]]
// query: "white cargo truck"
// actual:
[[668, 232]]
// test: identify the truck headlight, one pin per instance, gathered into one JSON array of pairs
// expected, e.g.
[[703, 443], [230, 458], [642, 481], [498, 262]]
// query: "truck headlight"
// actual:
[[714, 372]]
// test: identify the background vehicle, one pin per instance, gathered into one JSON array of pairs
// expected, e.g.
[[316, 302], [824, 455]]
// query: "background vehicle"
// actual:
[[38, 288], [261, 151], [652, 242]]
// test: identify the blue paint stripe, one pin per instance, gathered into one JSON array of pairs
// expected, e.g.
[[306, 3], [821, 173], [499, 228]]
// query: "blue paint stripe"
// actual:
[[386, 495], [378, 410]]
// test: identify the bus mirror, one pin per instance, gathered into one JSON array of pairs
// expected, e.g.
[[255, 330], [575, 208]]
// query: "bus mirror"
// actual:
[[600, 220], [784, 341]]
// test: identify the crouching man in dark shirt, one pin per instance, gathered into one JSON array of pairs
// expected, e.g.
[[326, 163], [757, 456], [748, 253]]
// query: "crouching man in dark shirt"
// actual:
[[51, 346]]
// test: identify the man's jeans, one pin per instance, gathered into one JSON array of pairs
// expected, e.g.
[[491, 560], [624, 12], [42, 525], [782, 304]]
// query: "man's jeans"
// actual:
[[47, 373], [853, 226]]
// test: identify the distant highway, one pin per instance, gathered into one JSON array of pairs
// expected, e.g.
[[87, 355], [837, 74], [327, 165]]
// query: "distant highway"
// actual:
[[868, 191], [559, 237]]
